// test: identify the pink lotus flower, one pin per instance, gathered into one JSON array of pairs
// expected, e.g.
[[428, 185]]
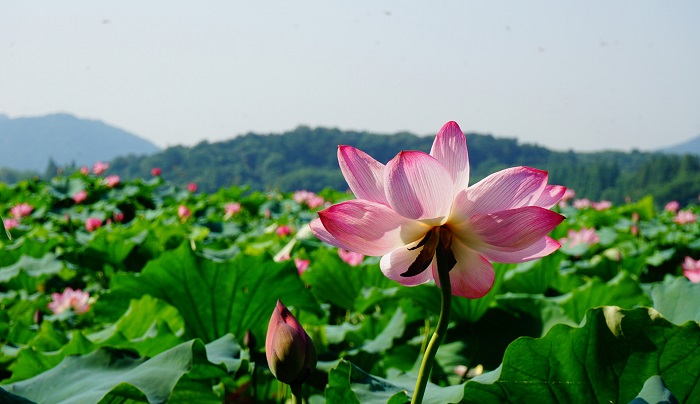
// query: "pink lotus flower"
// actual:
[[283, 230], [602, 205], [192, 187], [672, 207], [100, 167], [314, 201], [231, 209], [10, 223], [582, 203], [583, 236], [403, 206], [155, 171], [80, 196], [21, 210], [84, 170], [70, 299], [351, 258], [290, 351], [118, 216], [112, 181], [92, 224], [302, 265], [685, 217], [301, 196], [183, 213], [691, 269]]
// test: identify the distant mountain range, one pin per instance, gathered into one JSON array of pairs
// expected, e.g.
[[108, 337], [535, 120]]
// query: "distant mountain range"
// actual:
[[692, 146], [27, 144]]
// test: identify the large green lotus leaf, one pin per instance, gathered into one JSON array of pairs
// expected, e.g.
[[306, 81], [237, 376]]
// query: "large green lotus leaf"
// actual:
[[533, 277], [677, 299], [216, 298], [542, 310], [623, 290], [35, 269], [9, 398], [347, 287], [607, 359], [111, 374], [114, 246], [147, 327]]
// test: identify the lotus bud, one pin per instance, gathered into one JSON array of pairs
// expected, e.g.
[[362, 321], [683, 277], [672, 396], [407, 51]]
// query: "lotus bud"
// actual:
[[290, 351]]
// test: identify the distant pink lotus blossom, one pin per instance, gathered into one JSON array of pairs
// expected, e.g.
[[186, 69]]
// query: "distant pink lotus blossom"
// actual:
[[672, 207], [155, 171], [350, 257], [112, 181], [283, 230], [118, 216], [92, 224], [691, 269], [417, 202], [267, 213], [100, 167], [10, 223], [302, 265], [21, 210], [192, 187], [582, 203], [685, 217], [231, 209], [84, 170], [80, 196], [583, 236], [70, 299], [568, 195], [301, 196], [314, 201], [183, 213], [602, 205]]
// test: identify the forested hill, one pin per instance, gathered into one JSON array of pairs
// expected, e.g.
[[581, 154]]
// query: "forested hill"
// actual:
[[306, 158]]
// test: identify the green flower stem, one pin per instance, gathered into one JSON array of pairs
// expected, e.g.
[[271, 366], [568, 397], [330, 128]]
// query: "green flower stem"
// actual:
[[426, 366], [296, 393]]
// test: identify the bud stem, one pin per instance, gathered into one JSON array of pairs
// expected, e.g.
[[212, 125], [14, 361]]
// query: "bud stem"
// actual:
[[444, 265], [296, 393]]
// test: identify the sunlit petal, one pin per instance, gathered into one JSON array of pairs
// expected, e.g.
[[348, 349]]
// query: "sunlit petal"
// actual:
[[540, 248], [397, 262], [450, 149], [550, 196], [418, 186], [369, 228], [506, 189], [515, 229], [364, 175]]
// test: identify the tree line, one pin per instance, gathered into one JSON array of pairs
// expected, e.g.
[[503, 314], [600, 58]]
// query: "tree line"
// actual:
[[305, 158]]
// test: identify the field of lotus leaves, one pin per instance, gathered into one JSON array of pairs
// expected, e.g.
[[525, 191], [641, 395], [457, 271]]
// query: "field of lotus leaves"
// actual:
[[140, 291]]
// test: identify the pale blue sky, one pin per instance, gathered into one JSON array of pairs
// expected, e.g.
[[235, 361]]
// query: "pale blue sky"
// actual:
[[584, 75]]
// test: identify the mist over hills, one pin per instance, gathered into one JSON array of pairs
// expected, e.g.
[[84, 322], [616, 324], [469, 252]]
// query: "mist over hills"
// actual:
[[28, 143], [692, 146]]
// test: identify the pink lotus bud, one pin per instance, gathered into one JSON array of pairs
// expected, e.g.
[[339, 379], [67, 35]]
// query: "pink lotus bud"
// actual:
[[283, 230], [302, 265], [290, 351], [691, 269], [80, 196], [100, 167], [231, 209], [93, 224], [21, 210], [84, 170], [183, 213], [155, 171], [118, 216], [672, 207], [192, 187], [111, 181], [10, 223], [351, 258]]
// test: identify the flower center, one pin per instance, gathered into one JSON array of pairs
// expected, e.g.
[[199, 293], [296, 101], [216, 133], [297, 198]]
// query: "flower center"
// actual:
[[438, 237]]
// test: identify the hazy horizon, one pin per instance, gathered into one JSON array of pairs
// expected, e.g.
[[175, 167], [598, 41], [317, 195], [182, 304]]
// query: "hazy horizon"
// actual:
[[583, 76]]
